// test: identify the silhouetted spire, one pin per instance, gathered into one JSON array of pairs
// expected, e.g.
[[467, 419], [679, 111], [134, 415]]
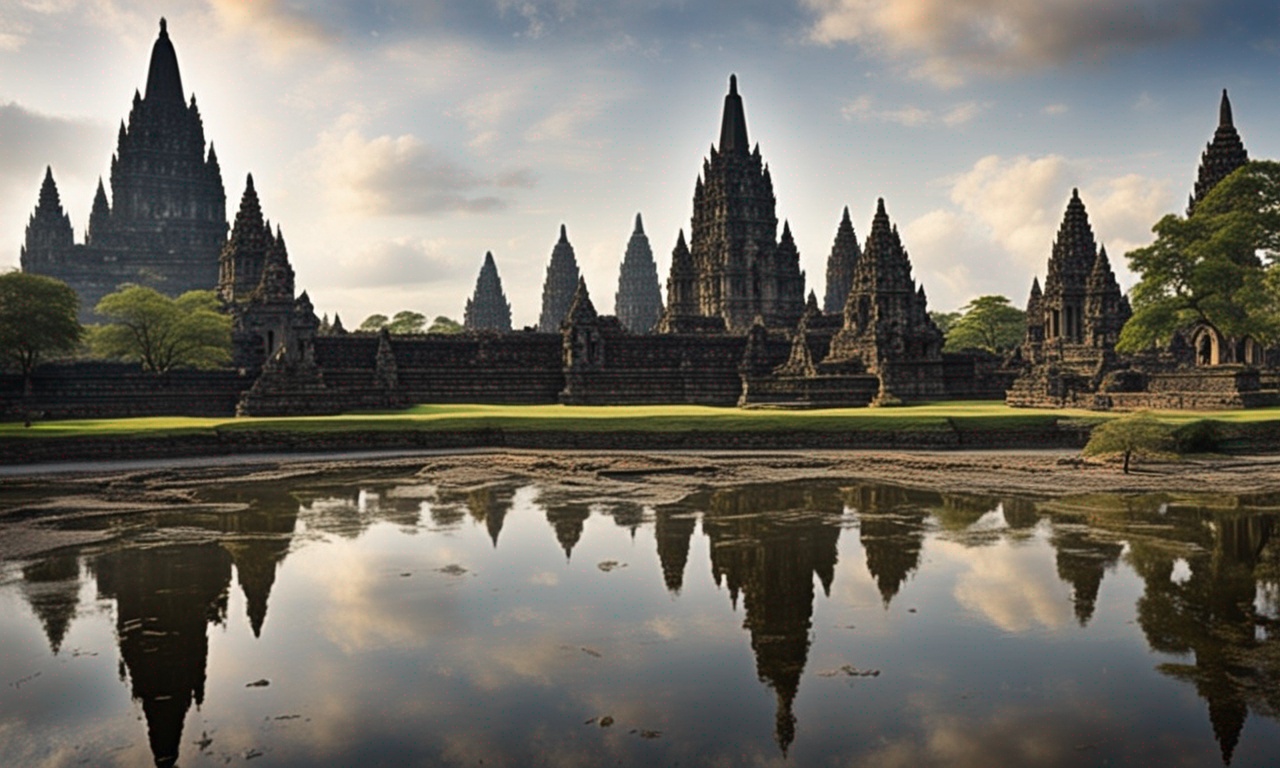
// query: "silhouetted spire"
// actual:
[[164, 83], [638, 303], [840, 265], [488, 308], [244, 257], [733, 126], [561, 282], [49, 228], [1224, 154], [99, 217]]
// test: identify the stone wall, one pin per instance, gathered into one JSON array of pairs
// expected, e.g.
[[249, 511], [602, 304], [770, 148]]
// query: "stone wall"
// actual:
[[662, 369], [111, 390]]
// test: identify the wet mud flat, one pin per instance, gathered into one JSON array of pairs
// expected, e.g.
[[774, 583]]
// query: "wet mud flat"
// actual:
[[46, 510]]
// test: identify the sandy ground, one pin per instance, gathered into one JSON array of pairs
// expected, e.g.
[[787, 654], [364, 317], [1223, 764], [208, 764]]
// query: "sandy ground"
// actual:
[[38, 509]]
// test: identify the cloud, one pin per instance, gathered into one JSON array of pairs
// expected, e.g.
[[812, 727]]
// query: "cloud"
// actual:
[[282, 27], [1018, 201], [945, 41], [402, 176], [863, 109], [402, 262], [1055, 109], [30, 140]]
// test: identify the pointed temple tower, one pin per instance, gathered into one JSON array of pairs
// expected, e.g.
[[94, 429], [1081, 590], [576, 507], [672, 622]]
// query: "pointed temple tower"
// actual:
[[840, 265], [638, 303], [1222, 155], [1074, 323], [168, 220], [561, 282], [49, 234], [740, 272], [887, 331], [488, 308]]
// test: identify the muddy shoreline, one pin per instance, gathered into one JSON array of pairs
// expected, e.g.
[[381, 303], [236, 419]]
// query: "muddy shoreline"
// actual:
[[48, 508]]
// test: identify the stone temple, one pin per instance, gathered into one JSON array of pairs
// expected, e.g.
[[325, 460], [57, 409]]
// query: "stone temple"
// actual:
[[638, 303], [735, 328], [166, 221], [488, 309], [739, 270]]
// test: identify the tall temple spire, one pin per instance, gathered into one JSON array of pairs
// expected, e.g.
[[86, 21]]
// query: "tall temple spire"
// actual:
[[49, 228], [244, 257], [561, 282], [164, 83], [840, 266], [99, 218], [638, 303], [733, 126], [1222, 155], [488, 308]]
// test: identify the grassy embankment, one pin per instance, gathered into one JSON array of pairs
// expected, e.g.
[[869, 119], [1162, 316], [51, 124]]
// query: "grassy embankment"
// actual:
[[948, 416]]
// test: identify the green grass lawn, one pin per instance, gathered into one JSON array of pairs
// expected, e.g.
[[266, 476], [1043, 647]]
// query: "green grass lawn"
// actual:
[[960, 416]]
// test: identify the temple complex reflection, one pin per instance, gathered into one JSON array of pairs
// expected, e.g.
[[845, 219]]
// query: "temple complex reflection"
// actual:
[[767, 545]]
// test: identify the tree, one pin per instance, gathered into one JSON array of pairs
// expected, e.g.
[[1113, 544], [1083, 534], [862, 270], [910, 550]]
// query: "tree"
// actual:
[[443, 324], [1138, 434], [163, 333], [407, 321], [944, 320], [373, 323], [1216, 266], [37, 318], [987, 322]]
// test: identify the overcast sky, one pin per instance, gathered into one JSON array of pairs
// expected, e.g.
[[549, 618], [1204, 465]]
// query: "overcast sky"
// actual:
[[395, 141]]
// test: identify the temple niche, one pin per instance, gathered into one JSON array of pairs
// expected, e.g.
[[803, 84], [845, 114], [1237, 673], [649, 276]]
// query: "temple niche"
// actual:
[[166, 220]]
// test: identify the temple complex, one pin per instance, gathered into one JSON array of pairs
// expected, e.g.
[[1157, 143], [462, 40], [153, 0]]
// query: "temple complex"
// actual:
[[638, 303], [488, 309], [840, 265], [166, 221], [559, 287]]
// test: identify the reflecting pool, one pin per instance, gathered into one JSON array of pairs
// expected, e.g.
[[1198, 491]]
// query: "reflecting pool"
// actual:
[[809, 623]]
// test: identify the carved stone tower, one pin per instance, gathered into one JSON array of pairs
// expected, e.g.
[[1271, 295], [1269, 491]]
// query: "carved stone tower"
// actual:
[[488, 309], [840, 266], [166, 221], [733, 237], [887, 329], [49, 234], [1222, 155], [560, 285], [638, 303]]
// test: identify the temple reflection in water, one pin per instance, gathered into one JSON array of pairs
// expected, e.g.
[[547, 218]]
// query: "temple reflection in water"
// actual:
[[1209, 575]]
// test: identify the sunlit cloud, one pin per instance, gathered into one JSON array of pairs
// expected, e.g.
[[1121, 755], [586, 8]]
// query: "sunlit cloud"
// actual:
[[947, 41], [863, 109]]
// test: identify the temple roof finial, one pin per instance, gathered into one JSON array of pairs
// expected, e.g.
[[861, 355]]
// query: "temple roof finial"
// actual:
[[1224, 112], [733, 127], [164, 26], [164, 83]]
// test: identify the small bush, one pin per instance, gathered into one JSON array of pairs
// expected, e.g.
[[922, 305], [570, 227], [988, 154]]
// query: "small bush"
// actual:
[[1203, 436]]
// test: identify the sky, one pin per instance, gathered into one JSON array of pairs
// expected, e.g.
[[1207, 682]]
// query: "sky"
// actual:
[[395, 142]]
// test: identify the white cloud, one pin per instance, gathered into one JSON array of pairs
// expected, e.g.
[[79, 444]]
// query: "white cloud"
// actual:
[[401, 175], [864, 109], [945, 41], [1018, 201], [404, 261]]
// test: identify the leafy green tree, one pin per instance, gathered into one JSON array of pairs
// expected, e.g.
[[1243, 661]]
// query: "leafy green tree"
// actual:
[[37, 318], [443, 324], [373, 323], [944, 320], [407, 321], [163, 333], [987, 322], [1217, 265], [1137, 434]]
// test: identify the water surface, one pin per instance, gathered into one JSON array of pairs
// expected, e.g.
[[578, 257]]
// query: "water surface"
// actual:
[[809, 623]]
